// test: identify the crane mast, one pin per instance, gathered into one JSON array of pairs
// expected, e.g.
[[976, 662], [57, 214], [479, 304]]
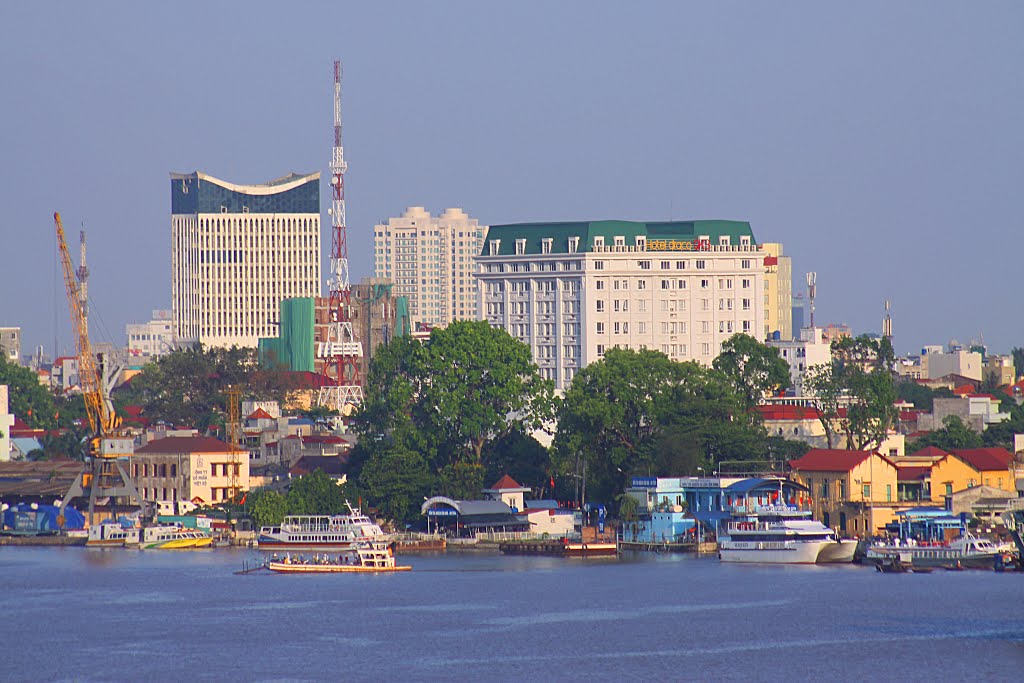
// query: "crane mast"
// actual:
[[107, 445]]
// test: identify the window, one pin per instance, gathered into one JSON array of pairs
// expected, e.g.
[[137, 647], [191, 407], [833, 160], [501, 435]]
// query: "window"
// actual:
[[704, 284], [598, 265], [600, 328], [599, 242], [620, 241], [746, 304], [867, 491], [545, 245], [705, 349], [746, 326], [824, 489], [641, 284], [600, 306], [705, 326], [618, 328], [600, 350], [643, 305], [888, 493], [701, 264], [520, 246], [574, 243], [680, 265], [723, 240], [745, 263], [665, 265], [949, 489], [746, 283], [644, 265], [643, 327], [494, 245]]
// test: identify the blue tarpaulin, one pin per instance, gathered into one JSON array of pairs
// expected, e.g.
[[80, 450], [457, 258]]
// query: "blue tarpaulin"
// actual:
[[22, 518]]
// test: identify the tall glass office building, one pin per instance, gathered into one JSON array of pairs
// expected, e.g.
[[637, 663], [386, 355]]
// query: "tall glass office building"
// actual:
[[237, 251]]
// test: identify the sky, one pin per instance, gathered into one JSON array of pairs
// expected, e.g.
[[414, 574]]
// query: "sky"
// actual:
[[880, 142]]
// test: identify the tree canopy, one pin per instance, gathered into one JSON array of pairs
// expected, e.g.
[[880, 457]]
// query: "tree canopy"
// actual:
[[29, 400], [754, 369], [432, 411], [953, 434], [855, 392]]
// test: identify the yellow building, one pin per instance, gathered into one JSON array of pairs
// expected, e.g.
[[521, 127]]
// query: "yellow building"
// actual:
[[778, 292], [965, 468], [854, 492], [196, 469]]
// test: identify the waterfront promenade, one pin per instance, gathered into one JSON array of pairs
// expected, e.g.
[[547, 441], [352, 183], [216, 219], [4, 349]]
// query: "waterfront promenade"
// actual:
[[164, 616]]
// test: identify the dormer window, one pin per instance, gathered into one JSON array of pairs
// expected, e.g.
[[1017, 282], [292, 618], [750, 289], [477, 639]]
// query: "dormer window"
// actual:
[[494, 245], [745, 241], [641, 243], [574, 244], [723, 240], [520, 246], [545, 245], [599, 242], [620, 241]]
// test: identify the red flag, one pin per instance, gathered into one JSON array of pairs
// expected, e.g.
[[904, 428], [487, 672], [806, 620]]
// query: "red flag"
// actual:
[[552, 483]]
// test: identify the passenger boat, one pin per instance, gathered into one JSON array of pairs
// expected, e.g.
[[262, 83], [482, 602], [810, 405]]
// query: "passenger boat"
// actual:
[[363, 557], [168, 537], [966, 551], [781, 534], [110, 534], [320, 532]]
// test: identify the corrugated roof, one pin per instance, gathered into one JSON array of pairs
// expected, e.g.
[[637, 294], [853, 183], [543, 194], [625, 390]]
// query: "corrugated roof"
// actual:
[[830, 460], [185, 444], [929, 452], [985, 459], [912, 473]]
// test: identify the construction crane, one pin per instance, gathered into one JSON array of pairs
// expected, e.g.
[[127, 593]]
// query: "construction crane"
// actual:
[[104, 475]]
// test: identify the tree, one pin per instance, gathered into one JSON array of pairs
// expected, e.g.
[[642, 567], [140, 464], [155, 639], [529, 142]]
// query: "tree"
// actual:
[[754, 369], [266, 507], [953, 434], [447, 401], [395, 481], [29, 400], [855, 392], [638, 412], [315, 494], [521, 457]]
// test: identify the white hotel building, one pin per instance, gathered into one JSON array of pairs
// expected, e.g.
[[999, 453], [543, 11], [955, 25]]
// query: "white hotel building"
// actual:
[[237, 251], [573, 290], [430, 260]]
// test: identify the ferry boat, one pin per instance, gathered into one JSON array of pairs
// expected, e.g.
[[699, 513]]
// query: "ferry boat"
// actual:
[[109, 534], [320, 532], [363, 557], [963, 552], [781, 534], [166, 537]]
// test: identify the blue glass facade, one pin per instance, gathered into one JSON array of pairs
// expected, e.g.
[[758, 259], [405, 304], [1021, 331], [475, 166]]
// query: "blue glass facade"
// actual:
[[192, 194]]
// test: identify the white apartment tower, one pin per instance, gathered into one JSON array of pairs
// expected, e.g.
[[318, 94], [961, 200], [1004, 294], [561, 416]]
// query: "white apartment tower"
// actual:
[[431, 261], [573, 290], [237, 251]]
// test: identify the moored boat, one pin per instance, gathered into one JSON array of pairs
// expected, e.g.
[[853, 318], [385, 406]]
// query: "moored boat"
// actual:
[[963, 552], [782, 534], [109, 534], [167, 537], [330, 533]]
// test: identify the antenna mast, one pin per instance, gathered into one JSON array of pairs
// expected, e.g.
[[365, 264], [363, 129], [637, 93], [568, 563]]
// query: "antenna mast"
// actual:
[[82, 273], [812, 286], [342, 351]]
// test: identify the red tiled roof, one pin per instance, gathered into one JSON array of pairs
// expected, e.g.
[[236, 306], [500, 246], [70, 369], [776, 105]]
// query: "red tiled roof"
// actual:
[[963, 390], [323, 438], [506, 482], [912, 473], [830, 460], [186, 444], [985, 459], [910, 415], [785, 412], [929, 452], [990, 396], [260, 414]]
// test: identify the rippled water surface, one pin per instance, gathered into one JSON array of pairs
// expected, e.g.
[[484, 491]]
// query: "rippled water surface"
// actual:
[[115, 615]]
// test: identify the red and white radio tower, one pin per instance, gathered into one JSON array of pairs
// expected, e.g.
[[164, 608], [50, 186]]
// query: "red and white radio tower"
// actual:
[[342, 351]]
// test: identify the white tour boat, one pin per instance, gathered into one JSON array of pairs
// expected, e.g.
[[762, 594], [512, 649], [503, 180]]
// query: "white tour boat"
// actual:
[[965, 551], [363, 557], [320, 532], [780, 534]]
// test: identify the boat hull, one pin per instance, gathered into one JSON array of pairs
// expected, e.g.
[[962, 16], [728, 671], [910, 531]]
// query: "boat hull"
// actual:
[[931, 557], [772, 552], [838, 552]]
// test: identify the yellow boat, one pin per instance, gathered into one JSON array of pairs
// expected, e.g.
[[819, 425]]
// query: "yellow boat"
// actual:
[[173, 538]]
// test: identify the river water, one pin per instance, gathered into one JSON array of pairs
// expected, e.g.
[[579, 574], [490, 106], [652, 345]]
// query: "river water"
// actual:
[[117, 615]]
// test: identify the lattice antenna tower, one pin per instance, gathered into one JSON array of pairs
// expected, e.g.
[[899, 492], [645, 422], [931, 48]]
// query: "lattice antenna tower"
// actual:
[[342, 351]]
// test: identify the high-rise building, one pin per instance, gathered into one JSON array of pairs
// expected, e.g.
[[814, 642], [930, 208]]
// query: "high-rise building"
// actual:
[[430, 260], [237, 251], [573, 290], [778, 292]]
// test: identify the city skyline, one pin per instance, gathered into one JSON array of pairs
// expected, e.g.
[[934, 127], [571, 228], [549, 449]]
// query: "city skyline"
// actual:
[[866, 140]]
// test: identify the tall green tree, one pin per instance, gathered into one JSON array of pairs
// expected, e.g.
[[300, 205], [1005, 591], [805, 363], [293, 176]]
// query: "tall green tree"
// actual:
[[396, 481], [856, 393], [266, 507], [754, 369], [315, 494], [29, 400]]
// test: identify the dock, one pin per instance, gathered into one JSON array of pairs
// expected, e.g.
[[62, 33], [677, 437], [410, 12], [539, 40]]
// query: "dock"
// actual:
[[559, 548]]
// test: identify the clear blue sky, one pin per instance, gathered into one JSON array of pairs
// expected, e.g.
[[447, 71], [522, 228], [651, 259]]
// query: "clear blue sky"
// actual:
[[880, 142]]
